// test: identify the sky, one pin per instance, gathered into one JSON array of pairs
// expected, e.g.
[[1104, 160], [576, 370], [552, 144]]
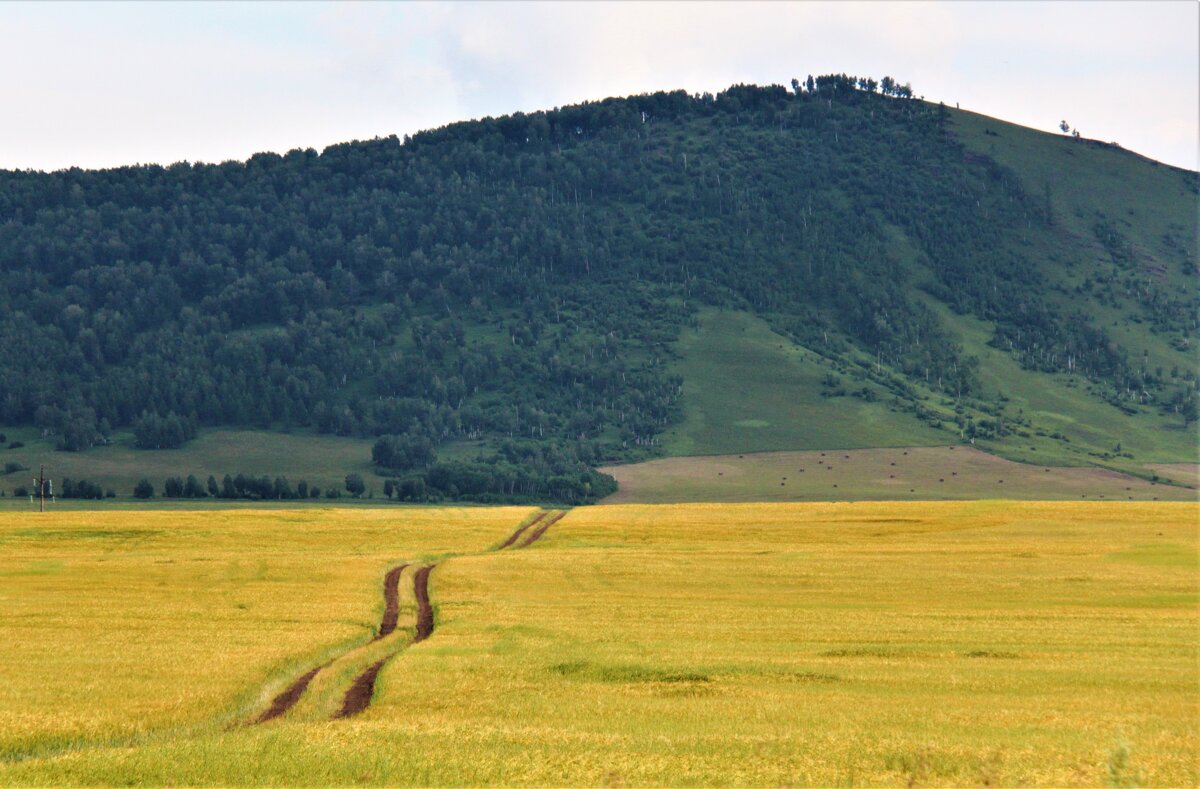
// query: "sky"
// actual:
[[104, 84]]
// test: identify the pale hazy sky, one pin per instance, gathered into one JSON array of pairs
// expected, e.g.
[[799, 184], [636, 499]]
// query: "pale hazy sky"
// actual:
[[102, 84]]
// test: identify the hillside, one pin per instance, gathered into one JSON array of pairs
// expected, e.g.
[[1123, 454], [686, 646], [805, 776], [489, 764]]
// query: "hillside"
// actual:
[[500, 306]]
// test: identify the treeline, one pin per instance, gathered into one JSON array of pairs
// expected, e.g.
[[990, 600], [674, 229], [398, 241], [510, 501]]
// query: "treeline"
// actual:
[[516, 475], [241, 487], [519, 472], [69, 489], [83, 489]]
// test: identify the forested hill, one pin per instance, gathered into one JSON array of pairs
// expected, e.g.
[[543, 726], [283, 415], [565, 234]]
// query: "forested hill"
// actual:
[[521, 281]]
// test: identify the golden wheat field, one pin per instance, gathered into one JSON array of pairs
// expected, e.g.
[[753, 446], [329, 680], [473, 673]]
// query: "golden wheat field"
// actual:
[[934, 643]]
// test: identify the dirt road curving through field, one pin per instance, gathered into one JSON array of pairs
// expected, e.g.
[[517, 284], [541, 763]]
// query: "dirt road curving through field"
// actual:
[[359, 695], [360, 692], [391, 614]]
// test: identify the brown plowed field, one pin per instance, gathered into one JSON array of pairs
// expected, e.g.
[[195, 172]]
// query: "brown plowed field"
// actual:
[[912, 473]]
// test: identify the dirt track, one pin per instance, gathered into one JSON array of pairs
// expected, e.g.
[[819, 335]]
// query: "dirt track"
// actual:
[[391, 613], [540, 530], [286, 700], [521, 530], [424, 609], [359, 696], [391, 597]]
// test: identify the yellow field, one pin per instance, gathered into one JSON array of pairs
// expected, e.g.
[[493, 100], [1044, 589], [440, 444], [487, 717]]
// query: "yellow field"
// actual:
[[757, 644], [123, 623]]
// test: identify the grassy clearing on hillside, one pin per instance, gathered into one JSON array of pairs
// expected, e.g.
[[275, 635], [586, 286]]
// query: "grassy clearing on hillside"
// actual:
[[748, 389], [320, 459], [829, 644], [1152, 205], [1060, 404], [914, 473], [1149, 198]]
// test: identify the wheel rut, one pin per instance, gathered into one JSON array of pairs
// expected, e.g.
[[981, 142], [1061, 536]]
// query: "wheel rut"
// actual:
[[521, 530], [391, 601], [391, 613], [424, 608], [286, 700], [360, 692], [358, 696], [537, 533]]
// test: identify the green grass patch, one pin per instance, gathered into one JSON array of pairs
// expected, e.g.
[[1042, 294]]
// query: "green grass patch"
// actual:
[[747, 389], [321, 460]]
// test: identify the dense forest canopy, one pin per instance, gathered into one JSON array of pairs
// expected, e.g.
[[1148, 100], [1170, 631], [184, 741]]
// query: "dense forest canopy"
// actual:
[[522, 279]]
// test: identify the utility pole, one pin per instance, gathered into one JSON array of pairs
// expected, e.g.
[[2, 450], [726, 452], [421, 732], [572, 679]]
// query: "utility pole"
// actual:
[[40, 483]]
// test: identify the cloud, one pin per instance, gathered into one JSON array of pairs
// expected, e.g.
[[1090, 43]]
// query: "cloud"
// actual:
[[108, 84]]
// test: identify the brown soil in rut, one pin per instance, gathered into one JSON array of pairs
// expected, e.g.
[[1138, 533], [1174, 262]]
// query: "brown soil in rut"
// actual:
[[391, 600], [286, 700], [424, 609], [358, 697], [360, 693], [521, 530], [540, 530], [391, 613]]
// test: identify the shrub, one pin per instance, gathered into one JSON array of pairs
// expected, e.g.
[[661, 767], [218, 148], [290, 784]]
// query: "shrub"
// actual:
[[80, 489], [173, 488]]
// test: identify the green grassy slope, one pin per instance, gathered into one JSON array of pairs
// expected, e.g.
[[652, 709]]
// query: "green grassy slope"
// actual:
[[1149, 200], [748, 389], [1153, 206], [1059, 404]]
